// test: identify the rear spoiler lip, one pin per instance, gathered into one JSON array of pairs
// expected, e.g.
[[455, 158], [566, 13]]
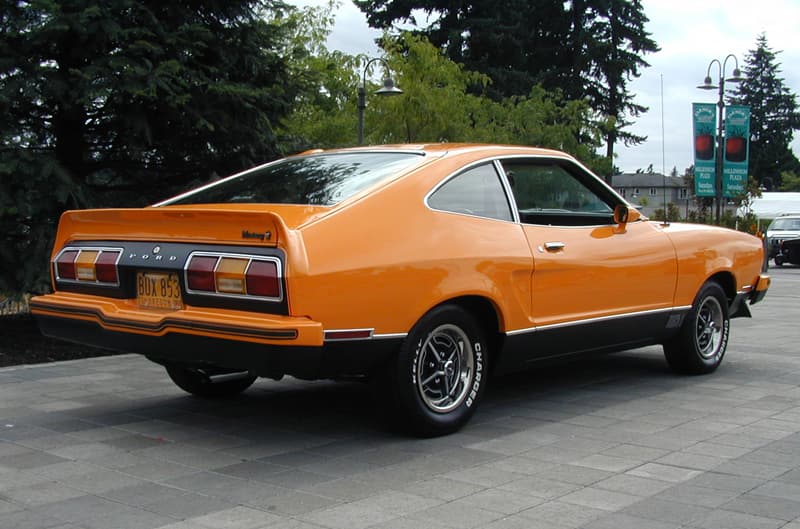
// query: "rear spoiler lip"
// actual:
[[191, 225]]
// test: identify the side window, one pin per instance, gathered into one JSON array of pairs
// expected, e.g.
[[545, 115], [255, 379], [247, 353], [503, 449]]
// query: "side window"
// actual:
[[547, 193], [477, 191]]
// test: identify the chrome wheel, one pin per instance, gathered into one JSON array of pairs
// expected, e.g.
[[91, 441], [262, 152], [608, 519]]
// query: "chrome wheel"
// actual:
[[445, 368], [709, 327], [700, 344]]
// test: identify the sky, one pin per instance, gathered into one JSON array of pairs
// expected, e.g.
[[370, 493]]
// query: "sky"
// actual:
[[690, 33]]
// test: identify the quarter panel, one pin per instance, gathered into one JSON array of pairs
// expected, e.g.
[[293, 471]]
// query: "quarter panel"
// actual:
[[385, 261]]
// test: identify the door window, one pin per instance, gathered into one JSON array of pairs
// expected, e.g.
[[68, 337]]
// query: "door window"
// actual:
[[549, 193]]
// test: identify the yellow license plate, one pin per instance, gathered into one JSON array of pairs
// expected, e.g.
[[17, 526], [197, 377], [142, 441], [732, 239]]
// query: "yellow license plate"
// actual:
[[158, 291]]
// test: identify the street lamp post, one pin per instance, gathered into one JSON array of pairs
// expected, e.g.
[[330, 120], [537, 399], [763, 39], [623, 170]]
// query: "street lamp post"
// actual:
[[708, 85], [388, 89]]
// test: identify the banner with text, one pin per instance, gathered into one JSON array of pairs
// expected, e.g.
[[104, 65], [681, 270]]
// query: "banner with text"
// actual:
[[705, 121], [737, 150]]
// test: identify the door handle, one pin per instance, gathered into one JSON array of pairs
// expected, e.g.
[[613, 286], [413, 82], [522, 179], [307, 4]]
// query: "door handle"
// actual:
[[554, 246]]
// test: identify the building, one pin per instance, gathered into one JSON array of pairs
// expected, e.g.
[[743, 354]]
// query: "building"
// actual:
[[650, 191]]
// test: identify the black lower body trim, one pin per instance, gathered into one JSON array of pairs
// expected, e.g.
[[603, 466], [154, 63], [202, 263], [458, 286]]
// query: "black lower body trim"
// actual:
[[332, 360], [519, 351]]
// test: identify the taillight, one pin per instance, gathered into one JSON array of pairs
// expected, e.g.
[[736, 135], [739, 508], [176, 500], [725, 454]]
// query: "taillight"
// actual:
[[106, 267], [65, 264], [200, 273], [262, 279], [84, 265], [245, 276], [88, 265], [230, 275]]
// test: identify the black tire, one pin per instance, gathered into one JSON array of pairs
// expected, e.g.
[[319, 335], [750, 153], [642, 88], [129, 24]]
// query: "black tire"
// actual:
[[778, 261], [209, 383], [700, 345], [440, 372]]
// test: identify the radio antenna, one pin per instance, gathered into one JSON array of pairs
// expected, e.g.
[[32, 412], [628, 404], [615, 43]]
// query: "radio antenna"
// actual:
[[663, 156]]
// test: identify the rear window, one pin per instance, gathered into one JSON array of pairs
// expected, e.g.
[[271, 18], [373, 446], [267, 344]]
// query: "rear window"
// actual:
[[319, 179]]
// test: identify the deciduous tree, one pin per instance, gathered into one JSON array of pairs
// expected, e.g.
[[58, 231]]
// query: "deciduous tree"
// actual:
[[587, 49]]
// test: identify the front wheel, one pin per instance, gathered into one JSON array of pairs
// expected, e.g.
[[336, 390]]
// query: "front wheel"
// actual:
[[209, 382], [440, 372], [700, 345]]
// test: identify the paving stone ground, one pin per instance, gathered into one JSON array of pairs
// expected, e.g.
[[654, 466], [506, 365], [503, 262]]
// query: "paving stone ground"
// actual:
[[613, 442]]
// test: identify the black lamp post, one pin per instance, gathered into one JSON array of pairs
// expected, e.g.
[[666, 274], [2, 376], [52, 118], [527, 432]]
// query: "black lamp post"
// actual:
[[388, 89], [708, 85]]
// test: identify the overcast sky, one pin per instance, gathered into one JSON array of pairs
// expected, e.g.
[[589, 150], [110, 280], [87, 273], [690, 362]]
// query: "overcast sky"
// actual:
[[691, 33]]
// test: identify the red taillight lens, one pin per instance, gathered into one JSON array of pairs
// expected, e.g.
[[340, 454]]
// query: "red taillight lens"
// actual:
[[200, 273], [262, 279], [106, 266], [65, 265]]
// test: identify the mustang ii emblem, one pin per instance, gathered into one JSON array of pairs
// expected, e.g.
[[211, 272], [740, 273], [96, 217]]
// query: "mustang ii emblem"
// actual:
[[261, 236]]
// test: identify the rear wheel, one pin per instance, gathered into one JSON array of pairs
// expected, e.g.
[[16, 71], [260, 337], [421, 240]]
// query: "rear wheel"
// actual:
[[700, 345], [210, 382], [439, 374]]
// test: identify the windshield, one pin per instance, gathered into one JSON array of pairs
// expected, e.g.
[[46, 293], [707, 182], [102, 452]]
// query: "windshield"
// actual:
[[319, 179], [785, 225]]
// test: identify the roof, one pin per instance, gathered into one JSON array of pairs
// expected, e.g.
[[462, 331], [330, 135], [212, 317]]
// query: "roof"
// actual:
[[449, 147], [647, 180], [775, 204]]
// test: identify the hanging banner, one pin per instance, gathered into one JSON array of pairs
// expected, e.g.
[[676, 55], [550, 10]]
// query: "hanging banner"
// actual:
[[737, 150], [705, 121]]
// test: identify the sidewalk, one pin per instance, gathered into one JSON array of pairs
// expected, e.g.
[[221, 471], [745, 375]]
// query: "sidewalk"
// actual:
[[613, 442]]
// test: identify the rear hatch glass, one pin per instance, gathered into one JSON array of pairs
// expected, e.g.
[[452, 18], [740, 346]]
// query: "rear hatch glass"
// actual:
[[319, 179]]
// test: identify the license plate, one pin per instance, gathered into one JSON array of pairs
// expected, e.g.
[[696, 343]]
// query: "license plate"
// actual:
[[158, 291]]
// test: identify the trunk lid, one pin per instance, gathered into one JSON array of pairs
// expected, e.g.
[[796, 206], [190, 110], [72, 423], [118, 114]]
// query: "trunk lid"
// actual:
[[247, 224]]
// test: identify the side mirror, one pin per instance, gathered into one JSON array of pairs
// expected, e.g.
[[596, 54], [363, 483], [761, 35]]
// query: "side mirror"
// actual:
[[623, 214]]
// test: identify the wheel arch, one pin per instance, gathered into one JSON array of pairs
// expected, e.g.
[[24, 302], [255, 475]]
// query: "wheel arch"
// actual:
[[488, 316], [727, 281]]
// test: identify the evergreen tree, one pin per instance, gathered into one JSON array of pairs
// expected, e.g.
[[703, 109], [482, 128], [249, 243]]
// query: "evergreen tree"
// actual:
[[124, 101], [773, 115], [617, 40], [518, 43]]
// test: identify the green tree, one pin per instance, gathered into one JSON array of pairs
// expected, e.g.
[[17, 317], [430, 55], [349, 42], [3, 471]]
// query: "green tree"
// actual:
[[587, 49], [437, 105], [617, 41], [774, 115], [790, 181], [123, 101], [325, 113]]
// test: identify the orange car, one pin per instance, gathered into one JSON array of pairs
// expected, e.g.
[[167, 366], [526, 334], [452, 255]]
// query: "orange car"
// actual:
[[422, 267]]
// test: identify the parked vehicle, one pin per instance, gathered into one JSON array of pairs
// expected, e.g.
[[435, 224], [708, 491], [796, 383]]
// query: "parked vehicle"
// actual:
[[786, 226], [788, 252], [423, 268]]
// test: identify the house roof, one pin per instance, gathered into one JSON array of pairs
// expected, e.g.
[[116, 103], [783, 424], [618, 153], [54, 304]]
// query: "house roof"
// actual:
[[647, 180]]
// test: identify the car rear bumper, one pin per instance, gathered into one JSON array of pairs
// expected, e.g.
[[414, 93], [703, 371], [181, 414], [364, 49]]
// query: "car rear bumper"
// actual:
[[267, 345]]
